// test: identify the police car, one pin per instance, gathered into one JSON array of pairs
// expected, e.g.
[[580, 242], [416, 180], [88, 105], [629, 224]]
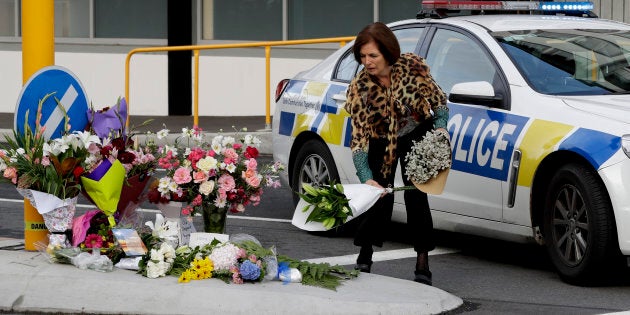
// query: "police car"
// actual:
[[539, 124]]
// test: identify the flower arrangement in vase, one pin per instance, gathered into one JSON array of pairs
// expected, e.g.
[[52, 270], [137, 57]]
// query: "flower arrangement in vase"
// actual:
[[212, 178]]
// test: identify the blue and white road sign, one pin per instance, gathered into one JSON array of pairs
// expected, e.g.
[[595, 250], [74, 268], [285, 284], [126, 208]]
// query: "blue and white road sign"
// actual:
[[66, 88]]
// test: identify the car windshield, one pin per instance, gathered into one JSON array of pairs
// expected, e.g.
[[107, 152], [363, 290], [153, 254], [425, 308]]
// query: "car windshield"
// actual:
[[571, 62]]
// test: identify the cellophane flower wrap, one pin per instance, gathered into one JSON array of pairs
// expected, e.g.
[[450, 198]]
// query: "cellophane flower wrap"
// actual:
[[223, 172], [47, 172], [117, 173], [330, 206], [428, 157]]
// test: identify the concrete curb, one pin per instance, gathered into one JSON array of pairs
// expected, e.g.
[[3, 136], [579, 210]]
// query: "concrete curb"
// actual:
[[31, 284]]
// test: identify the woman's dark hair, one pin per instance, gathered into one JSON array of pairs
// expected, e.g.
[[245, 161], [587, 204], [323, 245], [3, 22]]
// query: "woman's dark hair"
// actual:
[[383, 37]]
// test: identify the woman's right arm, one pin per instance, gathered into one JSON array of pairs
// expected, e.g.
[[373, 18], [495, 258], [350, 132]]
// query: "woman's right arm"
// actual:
[[359, 142]]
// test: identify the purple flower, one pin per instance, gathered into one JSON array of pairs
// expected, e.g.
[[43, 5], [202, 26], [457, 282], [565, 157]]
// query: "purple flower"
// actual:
[[249, 271]]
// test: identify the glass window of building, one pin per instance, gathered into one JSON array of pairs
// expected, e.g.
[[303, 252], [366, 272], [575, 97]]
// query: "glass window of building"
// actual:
[[72, 18], [7, 18], [242, 20], [396, 10], [130, 19], [328, 18]]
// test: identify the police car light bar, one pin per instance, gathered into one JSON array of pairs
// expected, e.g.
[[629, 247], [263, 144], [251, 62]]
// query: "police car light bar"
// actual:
[[508, 5]]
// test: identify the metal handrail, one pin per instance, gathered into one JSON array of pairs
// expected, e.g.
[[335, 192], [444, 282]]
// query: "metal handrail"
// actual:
[[196, 48]]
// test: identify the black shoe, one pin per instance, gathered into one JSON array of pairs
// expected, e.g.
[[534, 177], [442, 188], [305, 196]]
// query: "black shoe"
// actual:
[[363, 267], [423, 276]]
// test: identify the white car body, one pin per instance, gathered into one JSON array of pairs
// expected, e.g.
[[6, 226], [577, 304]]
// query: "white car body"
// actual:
[[541, 127]]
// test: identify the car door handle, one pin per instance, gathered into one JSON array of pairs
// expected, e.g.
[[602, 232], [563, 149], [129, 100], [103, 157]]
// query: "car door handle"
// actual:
[[339, 98]]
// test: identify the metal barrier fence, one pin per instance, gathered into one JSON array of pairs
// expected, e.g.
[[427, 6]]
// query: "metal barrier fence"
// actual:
[[197, 48]]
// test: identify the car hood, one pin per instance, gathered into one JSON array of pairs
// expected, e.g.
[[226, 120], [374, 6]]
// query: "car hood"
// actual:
[[615, 107]]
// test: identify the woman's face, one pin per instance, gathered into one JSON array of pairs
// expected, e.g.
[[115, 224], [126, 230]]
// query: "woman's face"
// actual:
[[373, 60]]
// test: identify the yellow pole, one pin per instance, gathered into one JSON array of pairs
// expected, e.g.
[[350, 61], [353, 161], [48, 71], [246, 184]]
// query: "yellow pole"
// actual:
[[38, 36], [267, 87], [38, 51], [196, 90]]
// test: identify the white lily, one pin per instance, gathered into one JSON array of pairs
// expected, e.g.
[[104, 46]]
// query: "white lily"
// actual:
[[162, 228]]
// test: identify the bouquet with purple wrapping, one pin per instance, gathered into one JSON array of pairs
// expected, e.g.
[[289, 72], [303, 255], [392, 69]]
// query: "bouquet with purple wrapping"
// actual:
[[108, 120], [103, 186]]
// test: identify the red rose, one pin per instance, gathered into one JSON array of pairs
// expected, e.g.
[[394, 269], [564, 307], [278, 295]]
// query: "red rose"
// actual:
[[251, 153]]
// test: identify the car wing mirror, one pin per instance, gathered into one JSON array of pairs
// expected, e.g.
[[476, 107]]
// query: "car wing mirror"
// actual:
[[478, 93]]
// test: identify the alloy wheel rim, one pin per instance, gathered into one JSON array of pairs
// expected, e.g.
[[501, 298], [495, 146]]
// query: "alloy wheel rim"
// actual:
[[570, 225], [314, 171]]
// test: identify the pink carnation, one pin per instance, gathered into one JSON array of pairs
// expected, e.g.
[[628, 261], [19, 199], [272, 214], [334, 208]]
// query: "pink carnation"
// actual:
[[230, 154], [182, 176], [226, 182]]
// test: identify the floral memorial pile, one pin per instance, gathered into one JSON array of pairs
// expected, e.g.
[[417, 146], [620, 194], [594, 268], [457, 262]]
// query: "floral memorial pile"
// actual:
[[105, 163]]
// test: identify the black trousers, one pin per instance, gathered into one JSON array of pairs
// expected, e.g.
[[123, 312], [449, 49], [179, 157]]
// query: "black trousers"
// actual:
[[374, 222]]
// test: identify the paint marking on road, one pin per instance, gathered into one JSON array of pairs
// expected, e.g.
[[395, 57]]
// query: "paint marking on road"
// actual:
[[380, 256], [88, 206]]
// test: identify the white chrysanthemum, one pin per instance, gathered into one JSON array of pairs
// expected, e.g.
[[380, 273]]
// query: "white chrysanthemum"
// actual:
[[156, 255], [230, 168], [168, 252], [220, 203], [156, 270], [216, 147], [224, 256], [207, 163]]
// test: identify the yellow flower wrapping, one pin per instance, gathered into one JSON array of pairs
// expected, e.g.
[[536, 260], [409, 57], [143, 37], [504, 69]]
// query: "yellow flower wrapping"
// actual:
[[105, 193]]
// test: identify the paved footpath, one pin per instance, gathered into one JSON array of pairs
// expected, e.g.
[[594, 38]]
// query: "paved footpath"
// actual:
[[31, 284]]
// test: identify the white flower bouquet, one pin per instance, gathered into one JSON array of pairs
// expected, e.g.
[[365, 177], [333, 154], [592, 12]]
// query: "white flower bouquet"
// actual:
[[428, 162]]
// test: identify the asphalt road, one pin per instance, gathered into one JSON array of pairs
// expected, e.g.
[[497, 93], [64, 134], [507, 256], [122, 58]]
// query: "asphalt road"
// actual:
[[492, 277]]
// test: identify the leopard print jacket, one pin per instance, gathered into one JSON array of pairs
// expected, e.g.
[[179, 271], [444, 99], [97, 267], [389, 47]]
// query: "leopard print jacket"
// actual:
[[377, 111]]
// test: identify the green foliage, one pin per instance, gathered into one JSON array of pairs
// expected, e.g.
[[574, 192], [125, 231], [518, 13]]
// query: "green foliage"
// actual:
[[330, 204], [320, 274]]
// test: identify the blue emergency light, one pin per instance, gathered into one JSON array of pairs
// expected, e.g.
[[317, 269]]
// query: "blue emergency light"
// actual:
[[575, 6]]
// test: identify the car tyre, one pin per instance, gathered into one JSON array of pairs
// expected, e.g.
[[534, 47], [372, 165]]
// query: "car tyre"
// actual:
[[579, 229], [314, 165]]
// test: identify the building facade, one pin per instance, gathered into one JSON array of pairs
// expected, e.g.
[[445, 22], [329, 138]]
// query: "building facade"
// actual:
[[93, 37]]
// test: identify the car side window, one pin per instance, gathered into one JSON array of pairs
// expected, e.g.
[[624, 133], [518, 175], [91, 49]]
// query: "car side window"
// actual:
[[347, 67], [408, 38], [456, 58]]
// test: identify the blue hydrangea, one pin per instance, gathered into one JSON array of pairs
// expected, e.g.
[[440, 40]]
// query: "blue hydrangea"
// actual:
[[249, 271]]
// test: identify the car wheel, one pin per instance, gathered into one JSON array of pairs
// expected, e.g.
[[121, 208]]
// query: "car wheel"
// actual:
[[578, 225], [313, 165]]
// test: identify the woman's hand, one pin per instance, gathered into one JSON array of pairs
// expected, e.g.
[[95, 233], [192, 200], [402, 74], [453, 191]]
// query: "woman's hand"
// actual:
[[445, 132], [374, 183]]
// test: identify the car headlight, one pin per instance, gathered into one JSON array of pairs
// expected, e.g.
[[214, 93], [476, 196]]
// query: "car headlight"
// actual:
[[625, 144]]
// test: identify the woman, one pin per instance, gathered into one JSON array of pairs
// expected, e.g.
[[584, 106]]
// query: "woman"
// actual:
[[392, 101]]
